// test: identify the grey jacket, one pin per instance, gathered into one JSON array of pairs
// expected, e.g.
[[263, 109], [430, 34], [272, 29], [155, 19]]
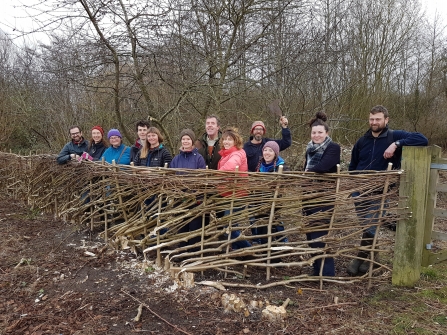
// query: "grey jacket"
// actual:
[[72, 148]]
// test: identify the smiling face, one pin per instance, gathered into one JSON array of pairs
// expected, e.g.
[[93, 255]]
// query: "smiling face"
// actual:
[[115, 141], [377, 122], [142, 133], [318, 134], [152, 138], [186, 143], [258, 132], [212, 128], [228, 142], [96, 135], [268, 154], [76, 134]]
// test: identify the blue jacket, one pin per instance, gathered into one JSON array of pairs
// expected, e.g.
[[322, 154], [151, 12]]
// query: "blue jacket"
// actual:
[[367, 153], [188, 160], [112, 153], [71, 148], [263, 167], [254, 151]]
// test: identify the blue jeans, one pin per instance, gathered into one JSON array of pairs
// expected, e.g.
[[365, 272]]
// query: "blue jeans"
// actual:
[[368, 211], [236, 233]]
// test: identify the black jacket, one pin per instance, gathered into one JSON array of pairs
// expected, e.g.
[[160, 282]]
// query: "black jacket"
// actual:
[[155, 158]]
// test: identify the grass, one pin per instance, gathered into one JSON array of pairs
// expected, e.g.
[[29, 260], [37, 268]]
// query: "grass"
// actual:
[[420, 310]]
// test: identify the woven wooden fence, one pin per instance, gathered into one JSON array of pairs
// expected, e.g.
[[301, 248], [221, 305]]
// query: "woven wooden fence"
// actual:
[[146, 209]]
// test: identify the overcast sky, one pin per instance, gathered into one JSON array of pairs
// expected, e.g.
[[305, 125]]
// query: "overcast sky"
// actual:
[[11, 15]]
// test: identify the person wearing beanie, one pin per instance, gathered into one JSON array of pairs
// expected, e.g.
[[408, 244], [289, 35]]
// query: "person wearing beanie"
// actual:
[[141, 128], [189, 158], [74, 149], [117, 151], [153, 153], [269, 162], [253, 147], [322, 156], [97, 144]]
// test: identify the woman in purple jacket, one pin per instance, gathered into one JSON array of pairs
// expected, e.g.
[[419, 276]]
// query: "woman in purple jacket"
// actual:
[[189, 158]]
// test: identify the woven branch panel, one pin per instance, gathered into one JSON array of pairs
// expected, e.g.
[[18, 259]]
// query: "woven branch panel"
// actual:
[[219, 221]]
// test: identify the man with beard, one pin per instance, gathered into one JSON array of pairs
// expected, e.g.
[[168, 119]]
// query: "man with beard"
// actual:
[[75, 148], [373, 151], [253, 148]]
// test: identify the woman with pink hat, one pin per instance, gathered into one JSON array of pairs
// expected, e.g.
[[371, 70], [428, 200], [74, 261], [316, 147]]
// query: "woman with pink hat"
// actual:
[[269, 162]]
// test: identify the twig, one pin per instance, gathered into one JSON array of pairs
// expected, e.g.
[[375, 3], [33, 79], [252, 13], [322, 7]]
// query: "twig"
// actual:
[[158, 316], [74, 276], [327, 306], [140, 310]]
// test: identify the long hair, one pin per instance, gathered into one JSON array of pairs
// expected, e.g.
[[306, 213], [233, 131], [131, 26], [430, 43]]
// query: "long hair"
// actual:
[[92, 141], [146, 144], [103, 141]]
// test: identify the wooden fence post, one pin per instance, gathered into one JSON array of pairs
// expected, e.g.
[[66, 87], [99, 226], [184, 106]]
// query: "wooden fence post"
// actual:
[[410, 232], [431, 204]]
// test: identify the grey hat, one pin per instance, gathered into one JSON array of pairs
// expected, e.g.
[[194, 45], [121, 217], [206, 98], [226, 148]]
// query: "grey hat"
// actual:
[[188, 132]]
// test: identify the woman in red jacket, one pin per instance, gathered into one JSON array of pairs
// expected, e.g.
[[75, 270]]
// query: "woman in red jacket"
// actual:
[[233, 157]]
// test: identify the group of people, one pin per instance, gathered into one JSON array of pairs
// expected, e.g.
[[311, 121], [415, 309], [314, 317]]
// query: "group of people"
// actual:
[[225, 151]]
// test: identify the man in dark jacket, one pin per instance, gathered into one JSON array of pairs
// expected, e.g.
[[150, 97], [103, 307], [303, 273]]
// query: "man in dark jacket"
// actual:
[[373, 151], [141, 128], [208, 145], [73, 149], [381, 145], [253, 148]]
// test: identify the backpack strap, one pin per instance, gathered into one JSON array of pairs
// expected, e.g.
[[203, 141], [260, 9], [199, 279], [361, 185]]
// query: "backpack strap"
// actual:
[[122, 152]]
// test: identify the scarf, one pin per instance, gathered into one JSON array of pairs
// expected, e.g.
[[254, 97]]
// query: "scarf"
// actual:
[[314, 152], [138, 144]]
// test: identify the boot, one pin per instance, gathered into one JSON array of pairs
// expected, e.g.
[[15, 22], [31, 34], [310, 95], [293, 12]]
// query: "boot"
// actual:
[[364, 268], [354, 267]]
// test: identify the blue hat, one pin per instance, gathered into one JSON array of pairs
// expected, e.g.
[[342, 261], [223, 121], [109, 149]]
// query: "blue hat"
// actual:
[[113, 132]]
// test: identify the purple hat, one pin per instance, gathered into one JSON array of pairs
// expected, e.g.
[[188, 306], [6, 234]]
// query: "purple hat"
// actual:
[[113, 132], [272, 145]]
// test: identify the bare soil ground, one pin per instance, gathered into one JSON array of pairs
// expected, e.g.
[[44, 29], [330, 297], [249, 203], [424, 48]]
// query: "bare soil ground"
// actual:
[[49, 285]]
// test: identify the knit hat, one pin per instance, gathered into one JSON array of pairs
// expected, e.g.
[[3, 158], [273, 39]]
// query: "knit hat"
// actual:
[[113, 132], [188, 132], [272, 145], [257, 124], [100, 129]]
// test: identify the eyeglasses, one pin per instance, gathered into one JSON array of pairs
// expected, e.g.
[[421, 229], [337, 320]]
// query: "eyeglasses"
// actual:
[[114, 138], [74, 134], [258, 129]]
